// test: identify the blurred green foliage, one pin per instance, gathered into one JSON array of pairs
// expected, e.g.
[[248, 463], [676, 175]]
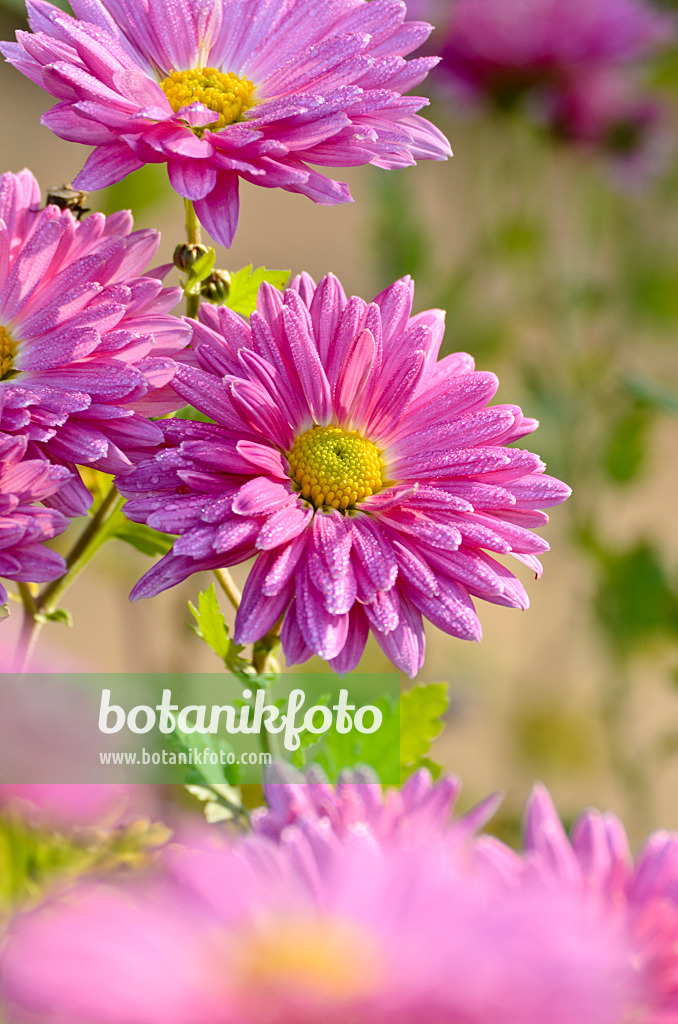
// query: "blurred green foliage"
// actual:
[[400, 240], [636, 600], [548, 737], [34, 860], [139, 192]]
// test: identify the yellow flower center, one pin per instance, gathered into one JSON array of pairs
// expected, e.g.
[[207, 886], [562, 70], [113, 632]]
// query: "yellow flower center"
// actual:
[[7, 353], [332, 961], [334, 467], [223, 92]]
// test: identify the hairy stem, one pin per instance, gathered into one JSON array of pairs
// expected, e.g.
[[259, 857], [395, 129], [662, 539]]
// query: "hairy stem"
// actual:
[[27, 626], [263, 650], [227, 584], [265, 665], [193, 238], [192, 224]]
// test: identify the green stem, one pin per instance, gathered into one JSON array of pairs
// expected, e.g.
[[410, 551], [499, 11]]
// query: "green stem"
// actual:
[[264, 664], [192, 224], [263, 650], [27, 626], [264, 647], [87, 544], [227, 584], [193, 237]]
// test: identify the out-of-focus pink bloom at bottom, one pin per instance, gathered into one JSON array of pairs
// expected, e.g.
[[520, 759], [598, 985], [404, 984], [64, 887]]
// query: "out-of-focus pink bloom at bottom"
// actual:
[[358, 805], [261, 933], [641, 896], [60, 805]]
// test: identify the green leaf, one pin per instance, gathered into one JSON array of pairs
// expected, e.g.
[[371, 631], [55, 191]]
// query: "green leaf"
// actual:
[[211, 627], [408, 726], [338, 751], [210, 623], [143, 538], [201, 269], [431, 766], [189, 413], [60, 615], [223, 802], [214, 773], [421, 712], [245, 285]]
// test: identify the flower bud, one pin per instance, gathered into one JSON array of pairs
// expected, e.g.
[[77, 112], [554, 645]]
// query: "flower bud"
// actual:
[[185, 256], [216, 287]]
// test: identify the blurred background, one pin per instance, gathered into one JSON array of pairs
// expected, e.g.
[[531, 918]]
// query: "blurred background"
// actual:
[[551, 239]]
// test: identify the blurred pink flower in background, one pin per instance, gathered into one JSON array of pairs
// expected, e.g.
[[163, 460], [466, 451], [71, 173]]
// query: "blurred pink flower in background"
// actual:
[[59, 805], [607, 111], [46, 731], [254, 932], [574, 65], [498, 49]]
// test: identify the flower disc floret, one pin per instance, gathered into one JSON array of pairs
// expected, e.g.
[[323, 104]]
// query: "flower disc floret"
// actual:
[[229, 96], [7, 353], [335, 468], [329, 957]]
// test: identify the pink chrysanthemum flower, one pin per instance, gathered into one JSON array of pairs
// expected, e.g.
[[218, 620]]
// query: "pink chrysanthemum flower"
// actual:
[[83, 337], [642, 897], [500, 50], [232, 89], [368, 479], [24, 525], [358, 805], [254, 932]]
